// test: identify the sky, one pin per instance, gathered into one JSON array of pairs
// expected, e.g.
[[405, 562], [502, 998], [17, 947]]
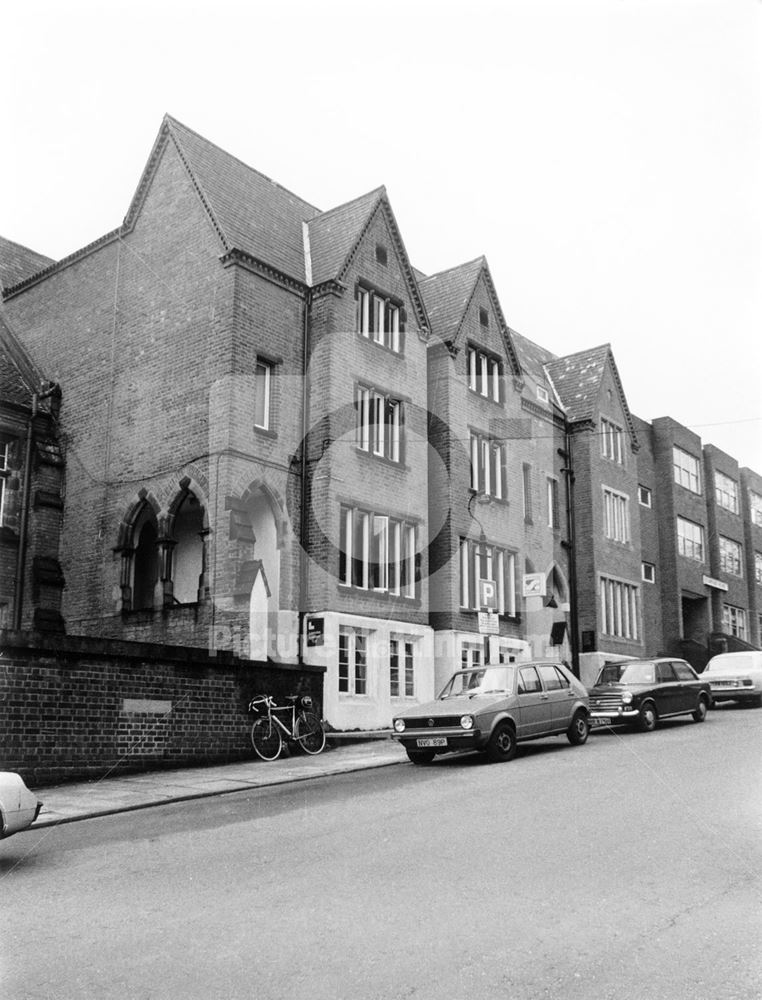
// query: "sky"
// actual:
[[605, 156]]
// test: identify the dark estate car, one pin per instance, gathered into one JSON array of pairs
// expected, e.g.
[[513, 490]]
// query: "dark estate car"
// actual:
[[492, 708], [641, 692]]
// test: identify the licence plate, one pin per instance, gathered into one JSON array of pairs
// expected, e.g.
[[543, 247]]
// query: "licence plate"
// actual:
[[599, 722], [433, 741]]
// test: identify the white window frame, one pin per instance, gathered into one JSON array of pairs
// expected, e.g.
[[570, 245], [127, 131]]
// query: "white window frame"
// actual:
[[758, 567], [734, 621], [402, 659], [377, 552], [379, 318], [755, 504], [648, 572], [616, 515], [488, 466], [378, 428], [353, 662], [645, 497], [612, 441], [484, 373], [471, 655], [726, 492], [731, 556], [619, 603], [483, 561], [686, 470], [690, 539], [263, 374]]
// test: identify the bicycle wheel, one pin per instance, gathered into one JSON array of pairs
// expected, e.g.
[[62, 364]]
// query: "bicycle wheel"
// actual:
[[265, 739], [308, 732]]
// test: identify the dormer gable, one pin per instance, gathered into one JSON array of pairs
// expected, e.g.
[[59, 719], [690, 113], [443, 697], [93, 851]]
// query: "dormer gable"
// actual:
[[581, 383], [333, 240], [450, 298]]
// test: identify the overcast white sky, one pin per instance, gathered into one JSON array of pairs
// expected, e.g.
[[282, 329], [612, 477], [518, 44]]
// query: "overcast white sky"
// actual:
[[605, 156]]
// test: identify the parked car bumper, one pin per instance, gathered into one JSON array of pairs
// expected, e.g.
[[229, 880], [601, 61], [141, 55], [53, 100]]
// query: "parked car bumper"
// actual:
[[441, 741], [610, 716], [735, 690]]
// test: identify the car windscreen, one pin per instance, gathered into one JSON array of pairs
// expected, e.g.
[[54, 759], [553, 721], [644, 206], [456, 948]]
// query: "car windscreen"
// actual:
[[626, 673], [487, 680]]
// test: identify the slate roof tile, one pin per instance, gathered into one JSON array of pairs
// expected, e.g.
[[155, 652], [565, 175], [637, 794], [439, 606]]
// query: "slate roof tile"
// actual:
[[256, 215], [577, 379], [18, 262], [333, 234]]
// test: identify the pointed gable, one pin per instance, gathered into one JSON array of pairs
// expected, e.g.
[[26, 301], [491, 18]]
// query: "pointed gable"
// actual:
[[334, 237], [448, 296], [17, 263], [250, 212], [578, 380]]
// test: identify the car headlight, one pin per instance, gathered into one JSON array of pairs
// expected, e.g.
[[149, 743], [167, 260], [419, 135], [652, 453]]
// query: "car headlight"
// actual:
[[627, 697], [399, 725], [466, 722]]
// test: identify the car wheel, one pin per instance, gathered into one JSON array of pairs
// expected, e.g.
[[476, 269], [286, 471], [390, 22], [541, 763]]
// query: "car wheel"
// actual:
[[648, 718], [420, 756], [756, 702], [579, 730], [502, 743], [701, 709]]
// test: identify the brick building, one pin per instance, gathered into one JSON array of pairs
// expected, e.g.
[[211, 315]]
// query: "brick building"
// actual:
[[31, 474], [286, 444]]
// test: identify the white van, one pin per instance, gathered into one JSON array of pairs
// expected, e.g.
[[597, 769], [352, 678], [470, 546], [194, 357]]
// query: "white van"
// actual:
[[736, 677]]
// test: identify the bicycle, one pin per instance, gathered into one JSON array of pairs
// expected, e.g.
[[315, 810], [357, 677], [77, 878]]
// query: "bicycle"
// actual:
[[268, 731]]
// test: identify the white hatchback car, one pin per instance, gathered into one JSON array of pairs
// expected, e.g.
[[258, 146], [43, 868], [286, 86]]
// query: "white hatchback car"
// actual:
[[736, 677], [19, 807]]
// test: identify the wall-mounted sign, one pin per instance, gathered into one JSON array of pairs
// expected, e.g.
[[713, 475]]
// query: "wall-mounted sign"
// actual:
[[534, 585], [315, 631], [489, 624], [488, 594], [709, 581]]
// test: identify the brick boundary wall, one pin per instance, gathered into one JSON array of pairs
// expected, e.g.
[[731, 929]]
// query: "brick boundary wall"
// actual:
[[74, 707]]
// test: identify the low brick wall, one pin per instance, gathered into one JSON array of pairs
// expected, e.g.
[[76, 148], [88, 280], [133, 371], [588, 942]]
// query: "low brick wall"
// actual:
[[73, 707]]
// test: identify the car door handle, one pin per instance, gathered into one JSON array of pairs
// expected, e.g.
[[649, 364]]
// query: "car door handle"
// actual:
[[544, 697]]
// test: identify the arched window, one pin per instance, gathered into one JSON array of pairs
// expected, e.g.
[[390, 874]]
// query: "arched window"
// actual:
[[188, 557], [146, 559]]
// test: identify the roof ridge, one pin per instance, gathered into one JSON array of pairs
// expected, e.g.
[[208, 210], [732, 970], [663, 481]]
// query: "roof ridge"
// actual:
[[588, 350], [170, 121], [380, 192], [481, 260]]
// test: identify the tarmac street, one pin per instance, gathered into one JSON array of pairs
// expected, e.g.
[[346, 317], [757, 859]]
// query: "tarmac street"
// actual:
[[629, 867]]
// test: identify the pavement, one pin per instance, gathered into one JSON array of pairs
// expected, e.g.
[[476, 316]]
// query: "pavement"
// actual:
[[121, 793]]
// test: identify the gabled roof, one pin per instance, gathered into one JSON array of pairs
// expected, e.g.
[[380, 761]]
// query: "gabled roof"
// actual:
[[250, 212], [448, 295], [19, 378], [333, 235], [577, 380], [532, 357], [18, 262]]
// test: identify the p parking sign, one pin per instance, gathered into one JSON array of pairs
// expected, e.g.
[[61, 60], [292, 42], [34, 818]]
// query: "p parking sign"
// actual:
[[488, 595]]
